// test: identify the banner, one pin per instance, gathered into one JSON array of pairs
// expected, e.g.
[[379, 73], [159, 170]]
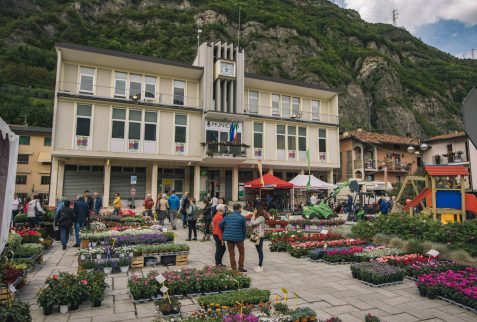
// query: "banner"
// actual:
[[308, 184], [260, 172]]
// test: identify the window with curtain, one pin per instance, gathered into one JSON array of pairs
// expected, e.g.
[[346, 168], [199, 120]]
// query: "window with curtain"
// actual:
[[179, 92], [135, 86], [119, 119], [86, 80], [286, 106], [253, 101], [150, 87], [275, 104], [295, 105], [83, 119], [120, 84], [315, 110]]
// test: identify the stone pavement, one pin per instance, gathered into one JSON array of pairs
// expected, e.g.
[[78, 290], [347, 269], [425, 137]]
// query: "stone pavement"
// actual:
[[330, 290]]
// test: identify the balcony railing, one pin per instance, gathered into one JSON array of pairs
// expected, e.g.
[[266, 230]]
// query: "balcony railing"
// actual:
[[290, 113], [227, 149], [370, 165], [392, 165], [143, 96], [454, 157]]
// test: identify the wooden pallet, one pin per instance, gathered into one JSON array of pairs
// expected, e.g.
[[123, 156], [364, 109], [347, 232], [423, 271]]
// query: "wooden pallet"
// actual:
[[182, 259], [5, 294], [137, 262]]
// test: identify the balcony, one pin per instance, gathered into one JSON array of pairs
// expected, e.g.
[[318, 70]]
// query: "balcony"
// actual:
[[225, 149], [126, 95], [394, 166], [290, 114], [370, 165], [358, 164], [453, 158]]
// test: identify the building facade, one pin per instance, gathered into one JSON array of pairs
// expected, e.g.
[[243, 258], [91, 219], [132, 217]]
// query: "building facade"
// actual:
[[452, 149], [34, 161], [124, 121], [376, 157]]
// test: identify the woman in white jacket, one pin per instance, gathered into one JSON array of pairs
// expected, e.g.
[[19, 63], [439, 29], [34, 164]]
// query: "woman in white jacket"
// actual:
[[34, 211]]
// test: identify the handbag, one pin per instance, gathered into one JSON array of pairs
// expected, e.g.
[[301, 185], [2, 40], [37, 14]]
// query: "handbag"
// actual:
[[254, 238]]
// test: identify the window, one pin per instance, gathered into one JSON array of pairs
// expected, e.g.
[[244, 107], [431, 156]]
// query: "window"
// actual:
[[86, 80], [286, 106], [150, 126], [292, 138], [23, 159], [179, 92], [258, 135], [45, 180], [315, 110], [322, 140], [135, 119], [120, 84], [281, 137], [47, 141], [370, 177], [135, 87], [150, 88], [302, 138], [83, 119], [119, 115], [180, 128], [253, 101], [295, 106], [21, 180], [398, 179], [275, 105], [24, 140]]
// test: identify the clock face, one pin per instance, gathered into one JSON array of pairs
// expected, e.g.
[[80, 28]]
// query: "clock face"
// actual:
[[227, 69]]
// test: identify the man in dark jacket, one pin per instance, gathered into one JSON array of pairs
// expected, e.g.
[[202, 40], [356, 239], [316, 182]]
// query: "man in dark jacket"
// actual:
[[64, 219], [98, 203], [89, 200], [82, 216], [235, 232]]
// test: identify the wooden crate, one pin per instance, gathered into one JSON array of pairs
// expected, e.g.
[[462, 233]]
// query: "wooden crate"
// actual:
[[182, 259], [137, 262], [5, 294]]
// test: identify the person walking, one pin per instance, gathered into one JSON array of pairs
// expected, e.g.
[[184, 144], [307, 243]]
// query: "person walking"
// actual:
[[64, 219], [89, 200], [98, 203], [34, 211], [215, 200], [162, 206], [217, 233], [148, 205], [191, 217], [184, 206], [207, 221], [15, 206], [117, 204], [258, 224], [81, 211], [174, 205], [235, 232]]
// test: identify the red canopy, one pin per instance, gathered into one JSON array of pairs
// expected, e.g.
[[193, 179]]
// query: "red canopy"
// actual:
[[270, 181]]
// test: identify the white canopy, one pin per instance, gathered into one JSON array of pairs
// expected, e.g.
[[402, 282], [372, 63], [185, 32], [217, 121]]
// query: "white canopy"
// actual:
[[301, 180]]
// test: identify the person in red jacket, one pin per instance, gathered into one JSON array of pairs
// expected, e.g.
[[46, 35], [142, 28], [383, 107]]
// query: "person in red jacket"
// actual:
[[148, 204], [217, 232]]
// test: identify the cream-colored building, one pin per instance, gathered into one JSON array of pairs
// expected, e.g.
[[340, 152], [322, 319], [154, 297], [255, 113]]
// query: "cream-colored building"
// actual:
[[124, 121], [34, 161]]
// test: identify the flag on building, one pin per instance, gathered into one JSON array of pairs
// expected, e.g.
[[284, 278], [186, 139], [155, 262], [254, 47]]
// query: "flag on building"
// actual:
[[233, 132]]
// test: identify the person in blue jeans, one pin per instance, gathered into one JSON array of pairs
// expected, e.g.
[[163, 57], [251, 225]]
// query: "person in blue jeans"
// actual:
[[174, 205], [81, 217], [184, 206], [64, 219]]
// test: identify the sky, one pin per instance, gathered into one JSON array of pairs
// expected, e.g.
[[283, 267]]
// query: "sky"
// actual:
[[450, 25]]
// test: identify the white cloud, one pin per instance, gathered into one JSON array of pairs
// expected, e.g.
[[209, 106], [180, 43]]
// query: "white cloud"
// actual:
[[415, 13]]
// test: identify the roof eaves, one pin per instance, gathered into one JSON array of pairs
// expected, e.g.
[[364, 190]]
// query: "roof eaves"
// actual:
[[289, 82]]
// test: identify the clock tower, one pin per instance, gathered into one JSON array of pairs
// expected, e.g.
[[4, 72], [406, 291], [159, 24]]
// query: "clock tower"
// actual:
[[222, 84]]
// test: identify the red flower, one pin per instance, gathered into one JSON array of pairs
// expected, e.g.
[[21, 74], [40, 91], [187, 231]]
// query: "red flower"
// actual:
[[84, 282], [55, 276]]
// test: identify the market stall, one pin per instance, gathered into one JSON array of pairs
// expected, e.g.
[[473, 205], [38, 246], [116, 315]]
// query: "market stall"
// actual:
[[301, 188], [269, 189]]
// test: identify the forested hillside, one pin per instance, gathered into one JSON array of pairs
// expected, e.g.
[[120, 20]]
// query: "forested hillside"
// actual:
[[388, 80]]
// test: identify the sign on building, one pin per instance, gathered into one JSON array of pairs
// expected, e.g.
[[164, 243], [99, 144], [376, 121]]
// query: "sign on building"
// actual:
[[133, 179]]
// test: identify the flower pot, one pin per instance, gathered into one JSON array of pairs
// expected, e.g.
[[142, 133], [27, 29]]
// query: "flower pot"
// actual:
[[63, 309], [74, 306], [96, 303], [131, 255], [124, 269], [48, 310], [93, 244], [122, 255], [303, 319], [431, 295], [422, 291], [98, 256], [312, 318], [107, 270], [82, 257], [90, 270], [84, 244]]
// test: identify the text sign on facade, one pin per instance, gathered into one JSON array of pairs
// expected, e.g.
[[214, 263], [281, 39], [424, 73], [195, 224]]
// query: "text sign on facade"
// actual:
[[221, 126], [133, 179]]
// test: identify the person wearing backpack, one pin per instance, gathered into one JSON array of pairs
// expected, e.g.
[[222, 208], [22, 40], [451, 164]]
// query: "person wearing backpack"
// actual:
[[191, 216], [64, 219]]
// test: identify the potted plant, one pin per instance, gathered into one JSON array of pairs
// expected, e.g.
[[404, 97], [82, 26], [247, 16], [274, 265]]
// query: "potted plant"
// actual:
[[89, 265], [96, 294], [169, 306], [64, 296], [124, 263], [46, 300], [15, 311], [107, 266], [135, 287]]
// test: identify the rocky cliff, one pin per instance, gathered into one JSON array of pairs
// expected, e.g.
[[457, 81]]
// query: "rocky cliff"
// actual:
[[388, 80]]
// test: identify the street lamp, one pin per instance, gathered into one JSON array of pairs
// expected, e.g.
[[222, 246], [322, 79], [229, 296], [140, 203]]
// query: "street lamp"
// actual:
[[422, 147]]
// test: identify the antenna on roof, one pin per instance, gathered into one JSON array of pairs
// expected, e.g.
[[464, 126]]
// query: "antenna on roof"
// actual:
[[238, 33], [25, 117]]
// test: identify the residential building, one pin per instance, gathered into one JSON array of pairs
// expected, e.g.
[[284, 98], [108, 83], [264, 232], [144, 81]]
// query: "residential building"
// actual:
[[34, 161], [454, 149], [376, 157], [124, 121]]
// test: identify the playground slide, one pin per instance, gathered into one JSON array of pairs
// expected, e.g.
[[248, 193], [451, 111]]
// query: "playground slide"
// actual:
[[420, 197], [471, 203]]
